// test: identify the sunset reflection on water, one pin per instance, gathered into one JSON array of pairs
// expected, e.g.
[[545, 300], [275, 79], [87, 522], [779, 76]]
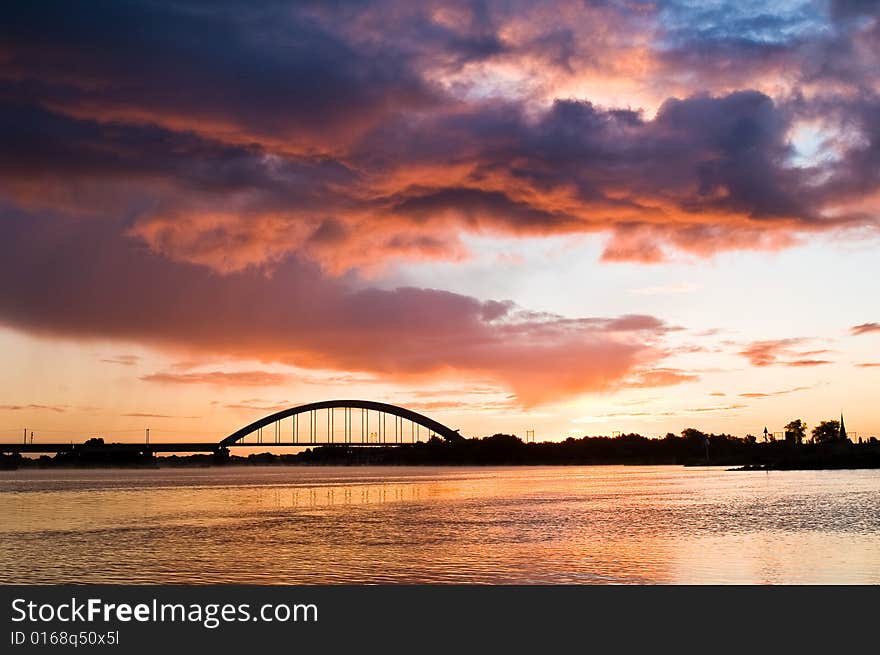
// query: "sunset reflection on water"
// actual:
[[609, 524]]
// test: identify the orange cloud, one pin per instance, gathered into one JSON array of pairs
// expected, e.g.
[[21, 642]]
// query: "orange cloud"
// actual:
[[50, 408], [770, 394], [151, 415], [122, 360], [256, 404], [661, 377]]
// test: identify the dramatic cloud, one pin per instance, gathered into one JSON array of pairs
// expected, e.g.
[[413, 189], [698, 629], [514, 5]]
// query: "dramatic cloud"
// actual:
[[224, 178], [356, 133]]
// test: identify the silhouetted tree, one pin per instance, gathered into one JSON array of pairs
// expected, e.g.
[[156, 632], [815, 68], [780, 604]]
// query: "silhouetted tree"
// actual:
[[826, 431], [795, 431], [694, 436]]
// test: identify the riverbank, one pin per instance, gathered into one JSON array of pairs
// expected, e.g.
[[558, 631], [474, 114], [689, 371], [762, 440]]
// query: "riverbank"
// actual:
[[864, 459], [504, 450]]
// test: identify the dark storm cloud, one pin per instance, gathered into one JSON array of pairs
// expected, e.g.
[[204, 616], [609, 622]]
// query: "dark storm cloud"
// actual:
[[670, 177], [707, 173], [474, 204], [854, 8], [41, 142], [264, 69]]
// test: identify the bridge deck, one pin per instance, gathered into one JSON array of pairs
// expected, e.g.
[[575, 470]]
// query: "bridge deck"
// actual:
[[201, 447]]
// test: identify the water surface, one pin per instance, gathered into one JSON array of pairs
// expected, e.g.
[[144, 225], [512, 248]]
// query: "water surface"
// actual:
[[589, 524]]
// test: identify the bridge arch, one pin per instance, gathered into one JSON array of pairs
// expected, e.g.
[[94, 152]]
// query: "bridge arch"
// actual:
[[395, 410]]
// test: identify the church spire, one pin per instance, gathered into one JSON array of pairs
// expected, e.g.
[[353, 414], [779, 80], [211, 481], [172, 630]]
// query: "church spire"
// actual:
[[842, 434]]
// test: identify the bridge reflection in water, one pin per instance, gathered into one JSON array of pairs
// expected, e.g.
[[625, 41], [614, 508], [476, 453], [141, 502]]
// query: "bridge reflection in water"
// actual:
[[355, 494], [324, 423]]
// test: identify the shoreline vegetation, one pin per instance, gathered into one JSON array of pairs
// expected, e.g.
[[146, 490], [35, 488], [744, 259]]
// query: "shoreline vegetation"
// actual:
[[691, 448]]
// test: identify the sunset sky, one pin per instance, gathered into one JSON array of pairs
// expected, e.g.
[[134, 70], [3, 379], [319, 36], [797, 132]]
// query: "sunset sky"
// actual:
[[572, 217]]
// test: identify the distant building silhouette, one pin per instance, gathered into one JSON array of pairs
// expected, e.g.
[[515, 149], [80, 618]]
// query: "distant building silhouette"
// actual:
[[842, 434]]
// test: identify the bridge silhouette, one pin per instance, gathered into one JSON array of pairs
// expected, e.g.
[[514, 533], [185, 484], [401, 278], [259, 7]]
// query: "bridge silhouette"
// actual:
[[323, 414]]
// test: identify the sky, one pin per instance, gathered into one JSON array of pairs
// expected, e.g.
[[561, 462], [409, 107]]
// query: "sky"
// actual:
[[568, 217]]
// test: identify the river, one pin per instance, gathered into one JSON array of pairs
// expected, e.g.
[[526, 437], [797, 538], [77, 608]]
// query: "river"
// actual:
[[497, 525]]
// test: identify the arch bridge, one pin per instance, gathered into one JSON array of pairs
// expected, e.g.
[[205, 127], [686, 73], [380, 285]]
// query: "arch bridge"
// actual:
[[325, 423], [349, 422]]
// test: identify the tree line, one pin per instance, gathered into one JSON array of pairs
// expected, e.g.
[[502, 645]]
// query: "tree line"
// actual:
[[825, 432]]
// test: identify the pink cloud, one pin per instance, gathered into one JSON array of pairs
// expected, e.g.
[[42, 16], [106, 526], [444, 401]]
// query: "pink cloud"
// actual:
[[782, 352], [259, 406], [301, 317], [865, 328]]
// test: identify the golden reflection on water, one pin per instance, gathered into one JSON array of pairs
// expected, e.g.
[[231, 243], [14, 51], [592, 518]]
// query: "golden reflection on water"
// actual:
[[410, 525]]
